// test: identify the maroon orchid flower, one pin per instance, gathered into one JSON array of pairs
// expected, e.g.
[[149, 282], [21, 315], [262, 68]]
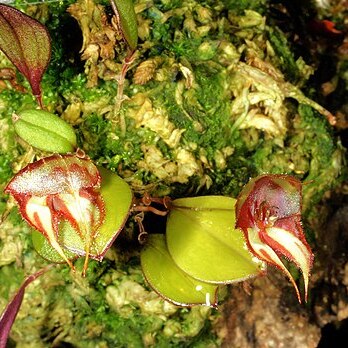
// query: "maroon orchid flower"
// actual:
[[268, 211], [60, 188]]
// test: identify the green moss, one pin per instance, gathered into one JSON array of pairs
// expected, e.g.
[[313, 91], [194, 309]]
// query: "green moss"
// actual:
[[286, 59], [10, 280], [5, 167], [239, 7], [327, 161]]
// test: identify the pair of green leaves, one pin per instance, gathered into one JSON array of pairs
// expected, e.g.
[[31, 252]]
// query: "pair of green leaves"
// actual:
[[204, 248], [200, 251]]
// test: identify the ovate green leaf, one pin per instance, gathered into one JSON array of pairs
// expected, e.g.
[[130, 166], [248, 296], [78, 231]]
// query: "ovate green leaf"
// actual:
[[203, 242], [169, 281]]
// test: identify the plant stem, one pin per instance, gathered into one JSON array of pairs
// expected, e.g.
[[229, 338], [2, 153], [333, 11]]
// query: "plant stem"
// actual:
[[120, 96]]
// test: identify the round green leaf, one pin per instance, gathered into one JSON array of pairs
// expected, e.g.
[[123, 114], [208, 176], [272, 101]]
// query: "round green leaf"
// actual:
[[169, 281], [117, 199], [203, 242]]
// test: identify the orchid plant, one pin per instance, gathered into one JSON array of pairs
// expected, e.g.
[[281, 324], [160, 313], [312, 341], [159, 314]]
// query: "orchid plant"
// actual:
[[77, 209]]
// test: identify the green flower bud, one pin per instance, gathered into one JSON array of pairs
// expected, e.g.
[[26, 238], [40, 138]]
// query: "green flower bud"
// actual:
[[45, 131]]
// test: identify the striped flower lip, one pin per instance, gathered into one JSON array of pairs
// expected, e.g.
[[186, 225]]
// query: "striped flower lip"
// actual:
[[268, 211]]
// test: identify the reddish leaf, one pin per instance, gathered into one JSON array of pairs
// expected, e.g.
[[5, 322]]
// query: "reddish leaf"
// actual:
[[60, 187], [10, 312], [268, 211], [26, 43]]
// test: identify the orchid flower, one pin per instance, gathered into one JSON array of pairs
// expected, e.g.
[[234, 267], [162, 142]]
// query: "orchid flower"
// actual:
[[268, 211], [60, 187]]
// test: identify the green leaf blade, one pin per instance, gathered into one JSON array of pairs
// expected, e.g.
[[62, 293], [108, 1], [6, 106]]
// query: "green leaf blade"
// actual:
[[127, 21], [45, 131], [203, 242], [169, 281]]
